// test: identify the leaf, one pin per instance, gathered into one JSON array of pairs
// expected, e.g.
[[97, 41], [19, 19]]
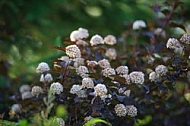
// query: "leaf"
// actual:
[[120, 98], [96, 120], [119, 79], [174, 24]]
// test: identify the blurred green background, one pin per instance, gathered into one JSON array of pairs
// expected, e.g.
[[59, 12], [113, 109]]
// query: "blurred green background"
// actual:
[[28, 29]]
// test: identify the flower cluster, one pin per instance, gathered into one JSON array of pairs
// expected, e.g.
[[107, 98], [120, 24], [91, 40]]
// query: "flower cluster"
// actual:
[[56, 88], [122, 110], [36, 90], [42, 67], [137, 77], [100, 90], [79, 34], [73, 51]]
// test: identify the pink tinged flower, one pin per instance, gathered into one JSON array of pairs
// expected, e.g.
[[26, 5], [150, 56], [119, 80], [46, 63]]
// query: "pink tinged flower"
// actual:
[[96, 40], [110, 40]]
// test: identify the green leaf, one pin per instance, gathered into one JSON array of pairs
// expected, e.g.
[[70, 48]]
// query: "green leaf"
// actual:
[[96, 120], [61, 111]]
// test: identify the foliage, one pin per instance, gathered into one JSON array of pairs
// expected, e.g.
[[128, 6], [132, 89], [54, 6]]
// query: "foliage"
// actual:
[[142, 50]]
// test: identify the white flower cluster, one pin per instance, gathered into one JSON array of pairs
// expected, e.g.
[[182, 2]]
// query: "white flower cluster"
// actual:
[[111, 53], [110, 40], [137, 77], [122, 70], [56, 88], [153, 77], [161, 70], [96, 40], [46, 78], [77, 89], [185, 39], [100, 90], [16, 108], [87, 83], [104, 63], [79, 34], [139, 24], [120, 110], [158, 74], [36, 90], [78, 62], [108, 71], [131, 110], [82, 71], [42, 67], [25, 91], [24, 88], [173, 43], [73, 51]]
